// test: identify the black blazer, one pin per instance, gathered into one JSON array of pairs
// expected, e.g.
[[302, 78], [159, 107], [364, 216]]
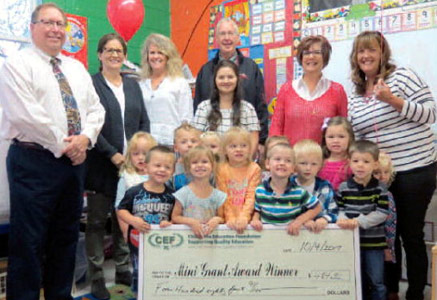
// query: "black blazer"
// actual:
[[102, 175]]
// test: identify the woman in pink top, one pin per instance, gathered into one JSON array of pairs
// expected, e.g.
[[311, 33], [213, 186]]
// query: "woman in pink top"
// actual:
[[303, 104]]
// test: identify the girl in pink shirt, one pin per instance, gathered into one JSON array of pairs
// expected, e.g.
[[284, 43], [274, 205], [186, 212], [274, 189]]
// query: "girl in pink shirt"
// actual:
[[337, 138]]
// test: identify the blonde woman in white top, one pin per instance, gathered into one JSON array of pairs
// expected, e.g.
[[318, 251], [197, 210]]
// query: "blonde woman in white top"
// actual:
[[166, 93]]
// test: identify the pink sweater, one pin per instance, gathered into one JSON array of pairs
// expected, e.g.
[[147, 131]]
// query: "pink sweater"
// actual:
[[335, 172], [298, 119]]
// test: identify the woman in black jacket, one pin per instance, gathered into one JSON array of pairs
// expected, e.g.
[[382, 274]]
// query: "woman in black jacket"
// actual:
[[125, 114]]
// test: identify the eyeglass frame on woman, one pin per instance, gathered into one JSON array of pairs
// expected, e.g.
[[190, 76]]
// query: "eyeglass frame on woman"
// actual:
[[51, 23], [113, 50], [315, 52]]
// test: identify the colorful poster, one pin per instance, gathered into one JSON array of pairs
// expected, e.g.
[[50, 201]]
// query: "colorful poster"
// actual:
[[215, 14], [76, 43], [238, 11]]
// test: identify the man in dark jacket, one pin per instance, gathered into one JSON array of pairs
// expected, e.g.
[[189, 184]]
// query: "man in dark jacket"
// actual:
[[252, 79]]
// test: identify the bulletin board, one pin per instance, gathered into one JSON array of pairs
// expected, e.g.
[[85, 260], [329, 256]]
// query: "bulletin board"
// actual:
[[409, 26], [271, 30], [266, 32]]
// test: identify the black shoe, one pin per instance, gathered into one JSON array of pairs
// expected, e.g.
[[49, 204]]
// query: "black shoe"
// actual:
[[99, 290], [123, 278]]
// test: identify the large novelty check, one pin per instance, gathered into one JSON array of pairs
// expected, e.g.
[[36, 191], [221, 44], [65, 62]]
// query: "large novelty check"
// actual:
[[271, 264]]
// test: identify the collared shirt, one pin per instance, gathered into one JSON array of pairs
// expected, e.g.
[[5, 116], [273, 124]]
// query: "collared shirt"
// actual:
[[282, 209], [233, 58], [33, 109], [302, 90], [119, 95], [167, 106]]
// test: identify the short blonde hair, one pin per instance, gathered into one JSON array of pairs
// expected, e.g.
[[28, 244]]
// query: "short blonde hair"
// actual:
[[307, 147], [213, 135], [168, 48], [386, 162], [187, 127], [239, 134], [127, 165], [196, 152], [281, 146], [209, 134], [279, 139]]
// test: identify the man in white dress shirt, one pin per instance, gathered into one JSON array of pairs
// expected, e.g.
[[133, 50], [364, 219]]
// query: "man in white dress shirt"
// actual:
[[45, 160]]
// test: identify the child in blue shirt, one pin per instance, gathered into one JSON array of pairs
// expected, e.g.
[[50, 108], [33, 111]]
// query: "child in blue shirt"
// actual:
[[185, 138], [309, 160], [148, 203], [278, 200]]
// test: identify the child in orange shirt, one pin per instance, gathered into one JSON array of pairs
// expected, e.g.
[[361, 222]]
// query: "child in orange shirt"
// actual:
[[238, 177]]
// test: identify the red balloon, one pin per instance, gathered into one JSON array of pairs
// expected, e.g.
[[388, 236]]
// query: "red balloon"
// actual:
[[126, 16]]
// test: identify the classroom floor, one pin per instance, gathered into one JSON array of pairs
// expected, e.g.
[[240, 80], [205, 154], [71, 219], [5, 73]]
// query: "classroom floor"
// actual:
[[109, 268]]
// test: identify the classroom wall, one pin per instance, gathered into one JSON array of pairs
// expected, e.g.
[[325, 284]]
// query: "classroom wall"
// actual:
[[184, 15], [157, 19]]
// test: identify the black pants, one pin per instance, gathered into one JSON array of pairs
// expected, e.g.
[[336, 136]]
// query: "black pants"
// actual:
[[46, 196], [412, 192]]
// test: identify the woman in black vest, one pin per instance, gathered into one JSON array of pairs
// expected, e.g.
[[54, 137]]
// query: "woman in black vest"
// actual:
[[122, 99]]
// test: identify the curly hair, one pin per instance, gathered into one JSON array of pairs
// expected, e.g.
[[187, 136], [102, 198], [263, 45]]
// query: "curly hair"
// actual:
[[215, 116], [366, 40], [167, 47]]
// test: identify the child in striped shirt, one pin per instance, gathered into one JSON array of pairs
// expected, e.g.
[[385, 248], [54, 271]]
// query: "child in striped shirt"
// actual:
[[280, 201], [363, 203]]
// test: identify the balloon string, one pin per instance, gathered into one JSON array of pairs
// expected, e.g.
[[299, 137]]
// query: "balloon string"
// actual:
[[381, 8]]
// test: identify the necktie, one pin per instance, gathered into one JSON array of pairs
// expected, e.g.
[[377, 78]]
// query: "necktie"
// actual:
[[70, 104]]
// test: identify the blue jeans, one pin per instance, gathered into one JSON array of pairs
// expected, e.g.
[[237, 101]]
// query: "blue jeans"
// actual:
[[372, 273], [134, 258]]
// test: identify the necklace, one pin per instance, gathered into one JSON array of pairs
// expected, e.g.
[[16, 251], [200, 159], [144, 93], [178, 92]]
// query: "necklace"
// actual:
[[156, 87]]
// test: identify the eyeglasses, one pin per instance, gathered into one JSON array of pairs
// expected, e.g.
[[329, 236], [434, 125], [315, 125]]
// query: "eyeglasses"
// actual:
[[226, 33], [113, 51], [308, 53], [51, 23]]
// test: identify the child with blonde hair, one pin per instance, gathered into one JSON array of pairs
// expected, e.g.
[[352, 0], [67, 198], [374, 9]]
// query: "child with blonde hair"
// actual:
[[211, 139], [280, 201], [309, 159], [337, 137], [198, 204], [385, 173], [238, 177], [185, 138], [148, 203], [270, 142], [133, 171]]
